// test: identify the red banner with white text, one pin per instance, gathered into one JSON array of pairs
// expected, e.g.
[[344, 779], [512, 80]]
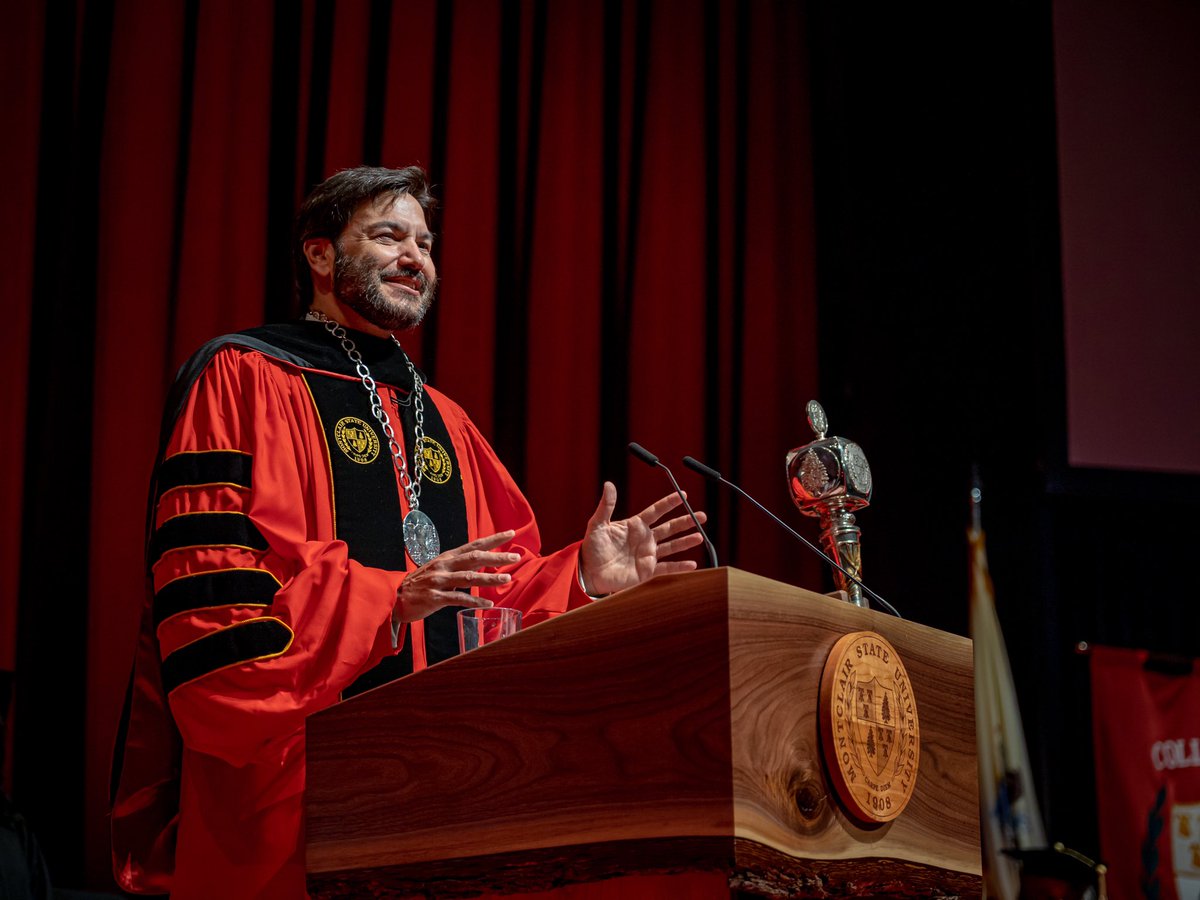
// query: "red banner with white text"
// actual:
[[1146, 729]]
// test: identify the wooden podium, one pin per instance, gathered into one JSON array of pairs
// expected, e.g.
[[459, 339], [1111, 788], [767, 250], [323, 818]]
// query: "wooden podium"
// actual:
[[666, 738]]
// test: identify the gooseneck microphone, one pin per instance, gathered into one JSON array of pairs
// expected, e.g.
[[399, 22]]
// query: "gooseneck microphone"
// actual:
[[708, 472], [653, 462]]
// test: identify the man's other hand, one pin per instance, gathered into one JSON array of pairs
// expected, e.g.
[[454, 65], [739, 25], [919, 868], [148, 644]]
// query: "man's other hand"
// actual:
[[436, 584]]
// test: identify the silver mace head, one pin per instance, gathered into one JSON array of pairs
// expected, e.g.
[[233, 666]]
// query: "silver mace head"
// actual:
[[829, 478], [829, 472]]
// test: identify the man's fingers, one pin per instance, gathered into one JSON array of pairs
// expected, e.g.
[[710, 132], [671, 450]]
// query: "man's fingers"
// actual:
[[676, 525], [453, 561], [477, 579], [604, 509], [452, 581], [659, 508], [475, 554], [486, 543], [687, 542]]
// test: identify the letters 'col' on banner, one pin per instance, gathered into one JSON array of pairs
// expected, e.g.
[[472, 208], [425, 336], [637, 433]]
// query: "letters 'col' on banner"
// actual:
[[1146, 725]]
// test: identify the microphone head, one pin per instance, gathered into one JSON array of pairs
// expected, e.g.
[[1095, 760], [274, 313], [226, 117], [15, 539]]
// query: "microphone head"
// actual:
[[696, 466], [643, 454]]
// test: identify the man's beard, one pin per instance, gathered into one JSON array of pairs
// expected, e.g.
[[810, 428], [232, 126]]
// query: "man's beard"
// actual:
[[358, 284]]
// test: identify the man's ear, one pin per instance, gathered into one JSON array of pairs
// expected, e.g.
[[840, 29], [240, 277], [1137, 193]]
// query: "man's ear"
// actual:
[[319, 253]]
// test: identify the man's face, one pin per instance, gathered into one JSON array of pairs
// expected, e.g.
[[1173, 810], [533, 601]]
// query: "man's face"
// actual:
[[383, 268]]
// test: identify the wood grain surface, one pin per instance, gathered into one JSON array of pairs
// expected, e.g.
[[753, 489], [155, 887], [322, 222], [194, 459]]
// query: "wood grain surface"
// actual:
[[780, 638], [667, 730]]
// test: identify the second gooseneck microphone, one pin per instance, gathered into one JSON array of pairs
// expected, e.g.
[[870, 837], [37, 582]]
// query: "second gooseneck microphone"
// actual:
[[709, 472], [654, 462]]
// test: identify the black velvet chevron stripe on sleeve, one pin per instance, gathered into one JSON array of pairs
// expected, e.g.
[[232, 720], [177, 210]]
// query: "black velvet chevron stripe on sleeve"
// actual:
[[205, 467], [222, 587], [245, 642], [208, 529]]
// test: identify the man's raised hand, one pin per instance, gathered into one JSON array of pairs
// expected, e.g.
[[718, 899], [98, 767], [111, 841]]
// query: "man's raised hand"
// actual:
[[618, 555]]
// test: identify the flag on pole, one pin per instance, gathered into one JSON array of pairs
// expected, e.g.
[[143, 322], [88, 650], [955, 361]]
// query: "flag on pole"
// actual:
[[1008, 807]]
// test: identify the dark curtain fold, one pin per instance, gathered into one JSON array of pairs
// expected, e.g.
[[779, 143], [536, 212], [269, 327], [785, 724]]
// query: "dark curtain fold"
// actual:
[[20, 70], [625, 244]]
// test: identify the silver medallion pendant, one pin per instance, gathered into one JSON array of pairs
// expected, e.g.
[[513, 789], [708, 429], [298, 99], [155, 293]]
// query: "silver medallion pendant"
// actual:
[[421, 537]]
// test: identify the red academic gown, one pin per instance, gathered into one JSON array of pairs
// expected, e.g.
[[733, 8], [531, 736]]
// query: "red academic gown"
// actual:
[[240, 702]]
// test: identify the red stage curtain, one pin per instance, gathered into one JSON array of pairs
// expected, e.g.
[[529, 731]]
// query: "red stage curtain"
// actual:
[[625, 244], [20, 70]]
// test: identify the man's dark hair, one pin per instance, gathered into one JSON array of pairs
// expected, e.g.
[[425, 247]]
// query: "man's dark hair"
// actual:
[[332, 204]]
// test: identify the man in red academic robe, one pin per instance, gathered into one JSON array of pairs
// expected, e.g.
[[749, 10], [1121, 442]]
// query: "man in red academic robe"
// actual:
[[294, 457]]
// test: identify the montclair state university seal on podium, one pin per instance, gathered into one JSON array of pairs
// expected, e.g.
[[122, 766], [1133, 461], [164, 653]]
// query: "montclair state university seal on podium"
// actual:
[[869, 727]]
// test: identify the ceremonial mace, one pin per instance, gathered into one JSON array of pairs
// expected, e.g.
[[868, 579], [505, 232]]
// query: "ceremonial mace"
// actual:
[[829, 479]]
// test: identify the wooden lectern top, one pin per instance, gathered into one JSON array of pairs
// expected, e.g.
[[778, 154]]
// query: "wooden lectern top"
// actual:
[[669, 728]]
